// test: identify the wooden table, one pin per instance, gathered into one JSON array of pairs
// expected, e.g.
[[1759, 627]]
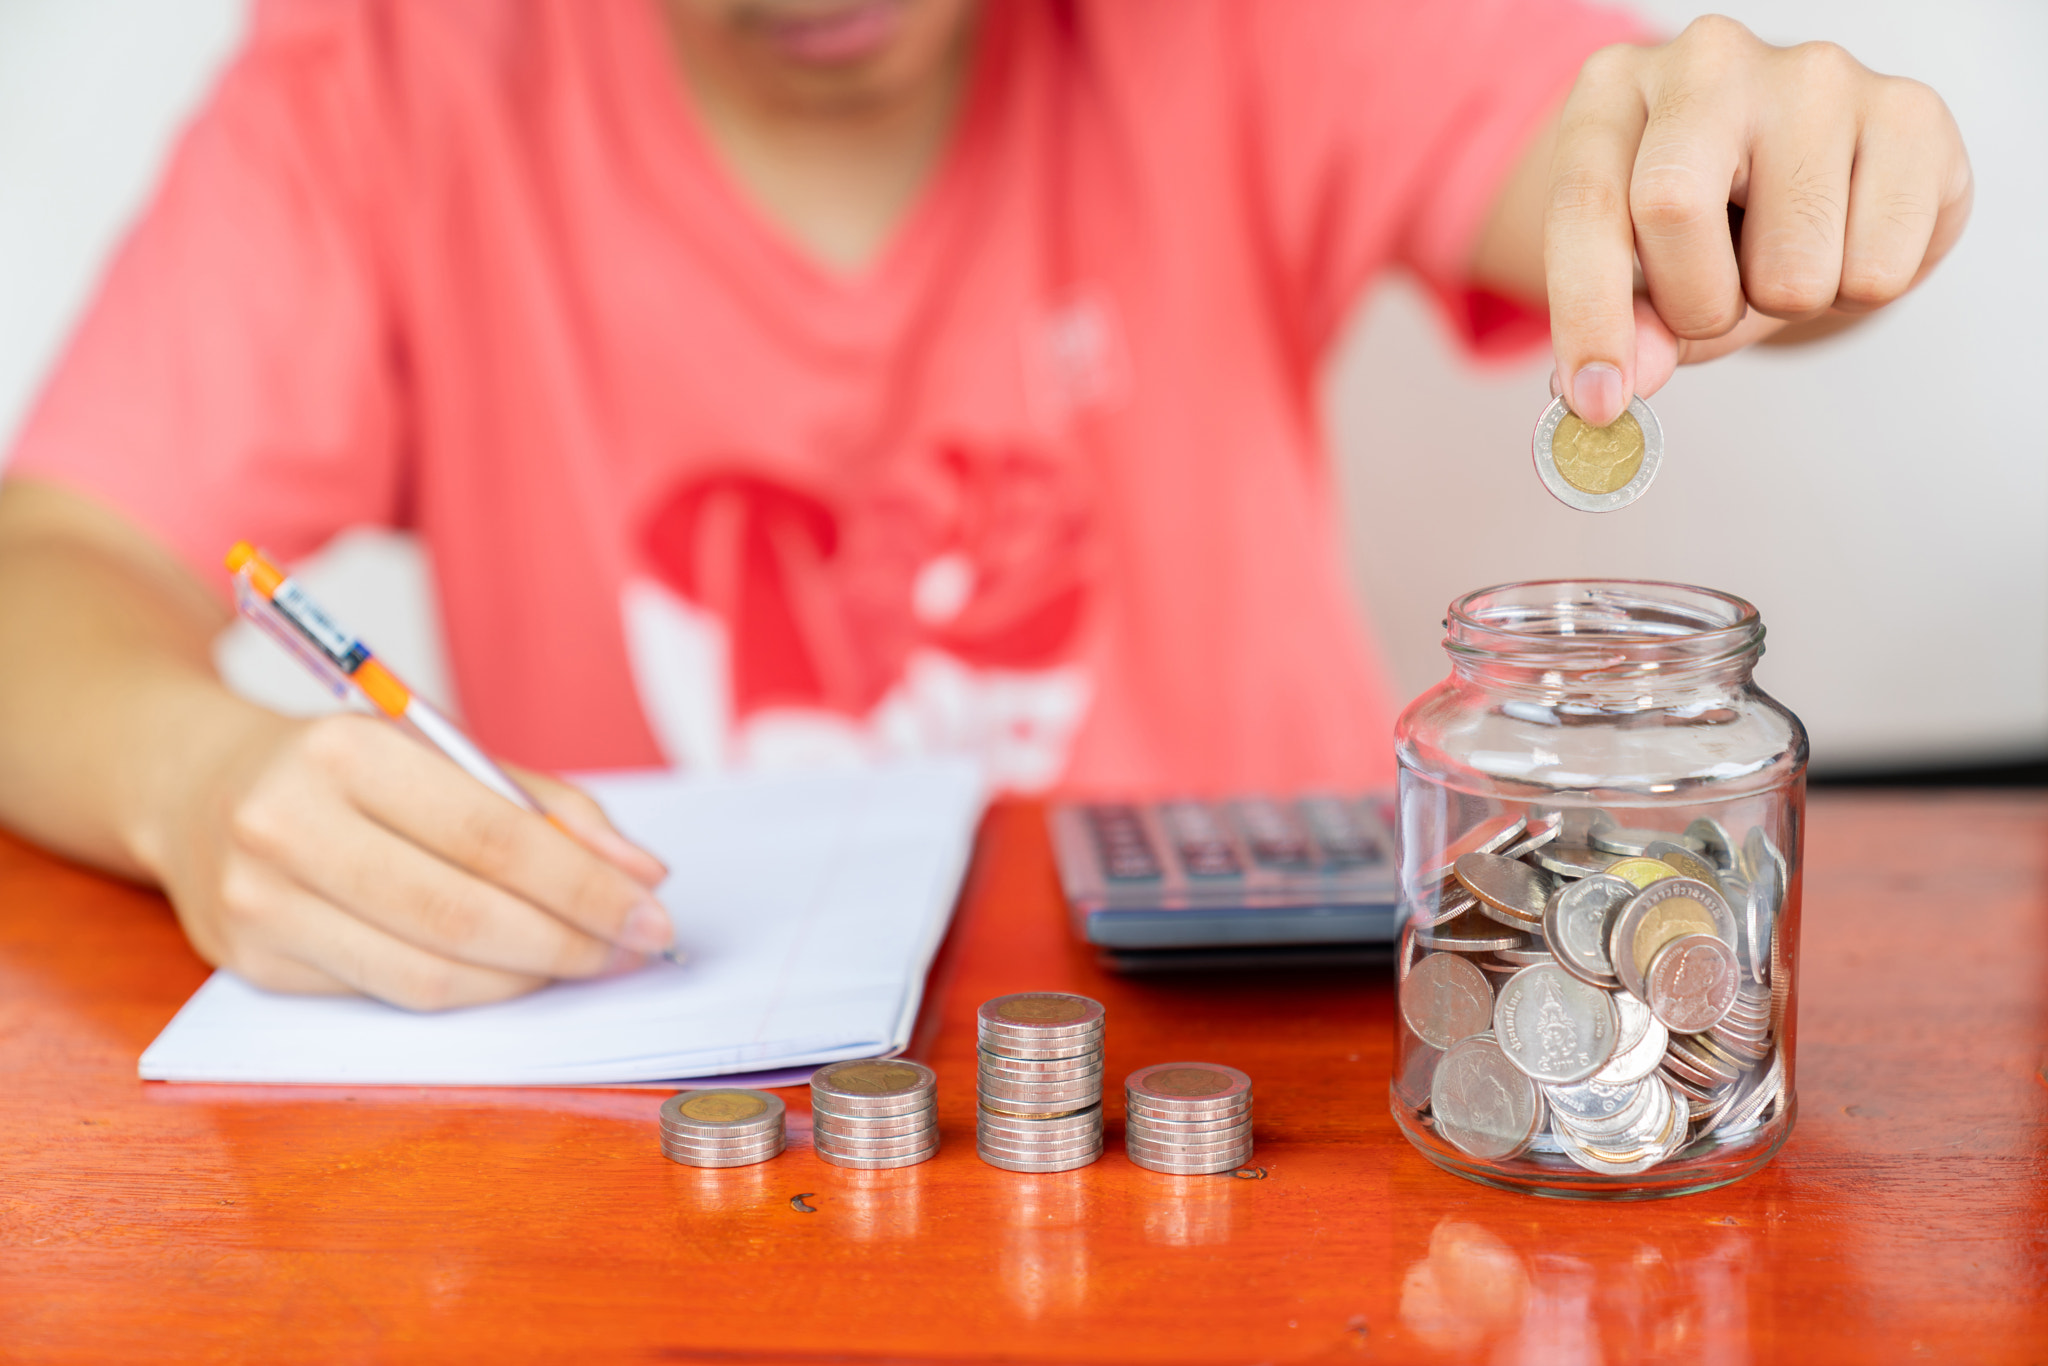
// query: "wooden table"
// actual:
[[1907, 1218]]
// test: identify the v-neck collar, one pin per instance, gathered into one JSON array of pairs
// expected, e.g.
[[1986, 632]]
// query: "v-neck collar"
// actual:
[[684, 168]]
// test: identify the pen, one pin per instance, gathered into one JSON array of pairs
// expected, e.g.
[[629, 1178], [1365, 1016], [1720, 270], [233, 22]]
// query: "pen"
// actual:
[[280, 608]]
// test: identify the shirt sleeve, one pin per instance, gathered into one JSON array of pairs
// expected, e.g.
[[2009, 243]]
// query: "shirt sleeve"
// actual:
[[1385, 130], [234, 377]]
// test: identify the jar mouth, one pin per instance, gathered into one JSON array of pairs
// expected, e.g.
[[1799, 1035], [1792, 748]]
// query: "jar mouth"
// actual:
[[1595, 627]]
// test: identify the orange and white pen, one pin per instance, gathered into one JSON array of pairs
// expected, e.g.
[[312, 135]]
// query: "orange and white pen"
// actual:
[[281, 609]]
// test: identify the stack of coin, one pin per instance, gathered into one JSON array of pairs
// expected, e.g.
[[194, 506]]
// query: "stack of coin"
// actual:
[[725, 1127], [1188, 1118], [1579, 989], [1040, 1082], [878, 1112]]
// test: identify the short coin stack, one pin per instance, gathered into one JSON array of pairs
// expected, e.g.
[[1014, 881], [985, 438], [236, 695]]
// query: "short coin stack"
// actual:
[[1188, 1118], [1040, 1082], [725, 1127], [1576, 989], [878, 1112]]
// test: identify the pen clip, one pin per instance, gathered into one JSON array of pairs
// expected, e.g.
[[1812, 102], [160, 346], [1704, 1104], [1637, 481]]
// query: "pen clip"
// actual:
[[265, 616]]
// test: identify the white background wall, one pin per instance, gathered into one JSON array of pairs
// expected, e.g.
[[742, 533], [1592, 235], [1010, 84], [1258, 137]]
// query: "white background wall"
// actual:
[[1883, 498]]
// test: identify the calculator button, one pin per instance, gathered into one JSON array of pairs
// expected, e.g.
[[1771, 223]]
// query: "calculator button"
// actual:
[[1274, 835], [1345, 840], [1199, 840], [1121, 844]]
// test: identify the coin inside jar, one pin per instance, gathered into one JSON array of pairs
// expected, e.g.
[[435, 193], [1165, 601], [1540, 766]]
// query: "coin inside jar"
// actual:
[[1692, 982], [1553, 1026], [1444, 998], [1484, 1104], [1597, 469], [1508, 891], [1659, 914], [1579, 920]]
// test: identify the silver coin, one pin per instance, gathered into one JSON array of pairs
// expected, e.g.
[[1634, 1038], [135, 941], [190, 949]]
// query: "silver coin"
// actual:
[[687, 1134], [1489, 836], [1641, 1148], [1470, 934], [743, 1161], [1637, 1101], [1692, 982], [1010, 1164], [1587, 1101], [829, 1146], [901, 1127], [1511, 892], [1089, 1069], [723, 1147], [1451, 903], [1760, 916], [1174, 1149], [1573, 860], [1632, 843], [1412, 1079], [1688, 863], [1444, 998], [1748, 1051], [1758, 853], [1031, 1109], [1635, 1060], [1016, 1137], [1030, 1069], [1218, 1114], [894, 1108], [1689, 1058], [1553, 1026], [1747, 1110], [1711, 839], [1051, 1052], [1571, 495], [1659, 914], [1483, 1104], [1578, 922], [1038, 1152], [1525, 957], [1145, 1133], [875, 1164], [1540, 829], [1189, 1168]]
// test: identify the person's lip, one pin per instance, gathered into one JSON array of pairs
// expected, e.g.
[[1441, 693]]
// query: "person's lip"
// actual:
[[835, 36]]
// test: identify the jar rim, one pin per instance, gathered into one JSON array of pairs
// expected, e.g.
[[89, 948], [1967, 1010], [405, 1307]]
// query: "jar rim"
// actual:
[[1545, 618]]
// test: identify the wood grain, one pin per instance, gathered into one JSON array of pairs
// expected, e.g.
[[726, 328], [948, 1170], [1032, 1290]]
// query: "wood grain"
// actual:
[[1907, 1218]]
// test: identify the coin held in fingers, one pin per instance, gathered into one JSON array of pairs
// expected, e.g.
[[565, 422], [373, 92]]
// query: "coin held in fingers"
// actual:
[[1598, 469]]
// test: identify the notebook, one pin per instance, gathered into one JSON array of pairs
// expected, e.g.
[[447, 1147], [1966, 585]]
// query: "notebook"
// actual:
[[807, 910]]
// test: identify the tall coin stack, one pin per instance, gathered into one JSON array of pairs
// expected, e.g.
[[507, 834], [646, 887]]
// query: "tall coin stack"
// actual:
[[1188, 1118], [878, 1112], [725, 1127], [1040, 1082]]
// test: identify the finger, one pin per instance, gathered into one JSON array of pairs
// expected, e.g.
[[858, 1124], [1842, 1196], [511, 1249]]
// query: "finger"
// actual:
[[1657, 349], [584, 819], [1690, 158], [279, 919], [1588, 240], [1798, 201], [1908, 196], [420, 795], [413, 895]]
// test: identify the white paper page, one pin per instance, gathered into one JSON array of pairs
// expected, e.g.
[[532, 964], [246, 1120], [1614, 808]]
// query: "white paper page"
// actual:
[[807, 908]]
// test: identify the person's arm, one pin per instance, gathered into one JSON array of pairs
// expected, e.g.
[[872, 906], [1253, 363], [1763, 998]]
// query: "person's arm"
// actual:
[[1852, 187], [308, 855]]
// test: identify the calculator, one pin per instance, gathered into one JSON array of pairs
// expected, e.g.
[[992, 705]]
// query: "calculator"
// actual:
[[1251, 877]]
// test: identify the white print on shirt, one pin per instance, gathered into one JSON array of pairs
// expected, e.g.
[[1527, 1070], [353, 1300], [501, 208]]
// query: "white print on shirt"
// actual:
[[1075, 359], [1020, 724]]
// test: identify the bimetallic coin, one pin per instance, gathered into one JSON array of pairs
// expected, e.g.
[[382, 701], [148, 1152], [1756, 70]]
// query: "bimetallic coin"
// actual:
[[1470, 935], [1444, 998], [1688, 863], [1658, 914], [829, 1146], [894, 1126], [873, 1085], [1511, 892], [1597, 469], [1579, 921], [1483, 1104], [873, 1164], [1641, 871], [1692, 982], [746, 1160], [1196, 1087], [1009, 1164], [1204, 1168], [1553, 1026], [1138, 1107]]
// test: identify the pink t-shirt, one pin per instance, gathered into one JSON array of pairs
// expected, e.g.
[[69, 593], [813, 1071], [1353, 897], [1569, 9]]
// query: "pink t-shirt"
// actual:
[[1044, 482]]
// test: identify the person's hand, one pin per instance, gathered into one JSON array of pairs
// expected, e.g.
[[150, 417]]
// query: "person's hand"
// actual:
[[1850, 186], [341, 855]]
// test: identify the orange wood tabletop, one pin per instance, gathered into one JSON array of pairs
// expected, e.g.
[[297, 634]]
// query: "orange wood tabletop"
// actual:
[[1906, 1219]]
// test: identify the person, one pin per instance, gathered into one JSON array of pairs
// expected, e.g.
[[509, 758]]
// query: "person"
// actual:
[[783, 380]]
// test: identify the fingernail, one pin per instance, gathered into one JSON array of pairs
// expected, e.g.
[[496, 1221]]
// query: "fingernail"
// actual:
[[647, 929], [619, 962], [1597, 395]]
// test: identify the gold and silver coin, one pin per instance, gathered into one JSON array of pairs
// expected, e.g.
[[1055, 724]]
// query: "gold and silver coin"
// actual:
[[1188, 1118], [1597, 469], [875, 1113], [1039, 1081], [725, 1126], [1677, 934]]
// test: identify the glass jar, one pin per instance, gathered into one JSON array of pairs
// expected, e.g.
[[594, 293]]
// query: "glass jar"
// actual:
[[1600, 820]]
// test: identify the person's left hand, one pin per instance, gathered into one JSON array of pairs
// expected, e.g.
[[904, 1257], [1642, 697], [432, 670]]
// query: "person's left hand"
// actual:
[[1848, 187]]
